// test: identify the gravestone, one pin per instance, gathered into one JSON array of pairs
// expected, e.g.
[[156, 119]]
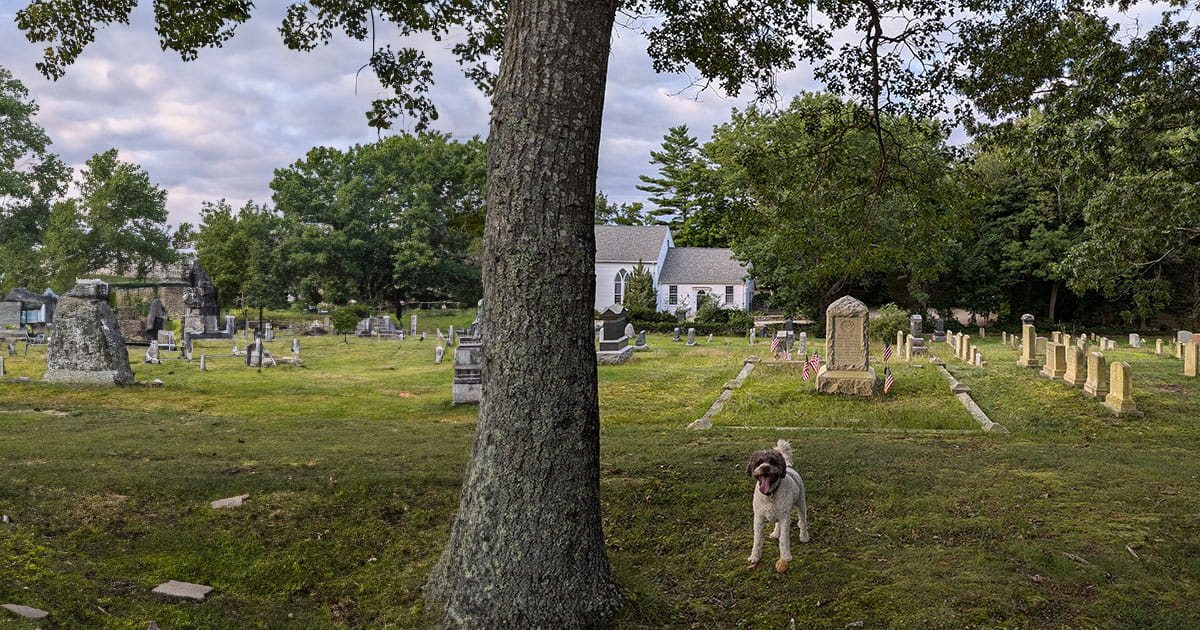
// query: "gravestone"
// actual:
[[230, 325], [1003, 338], [152, 353], [296, 345], [614, 337], [630, 331], [87, 346], [1178, 349], [468, 369], [438, 353], [1056, 360], [908, 348], [753, 335], [204, 363], [1191, 358], [899, 340], [1, 367], [803, 350], [691, 337], [1120, 390], [200, 298], [847, 370], [452, 336], [915, 324], [1096, 385], [1183, 336], [939, 329], [640, 344], [1135, 340], [1028, 347], [1039, 346], [1075, 374], [788, 325], [1158, 346], [268, 332], [156, 320], [675, 335], [412, 324], [10, 314], [709, 340]]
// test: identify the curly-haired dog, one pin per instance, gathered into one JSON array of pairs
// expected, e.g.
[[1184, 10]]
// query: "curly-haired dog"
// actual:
[[777, 489]]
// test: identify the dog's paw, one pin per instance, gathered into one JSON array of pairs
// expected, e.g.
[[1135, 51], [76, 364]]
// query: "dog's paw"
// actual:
[[781, 565], [804, 537], [752, 566]]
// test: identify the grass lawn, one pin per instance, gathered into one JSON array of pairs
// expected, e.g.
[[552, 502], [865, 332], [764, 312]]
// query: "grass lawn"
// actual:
[[353, 465]]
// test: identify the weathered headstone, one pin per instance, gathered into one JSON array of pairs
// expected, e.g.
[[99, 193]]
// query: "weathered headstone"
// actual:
[[614, 337], [709, 340], [753, 335], [452, 336], [640, 344], [1183, 336], [201, 300], [268, 332], [1056, 360], [1, 367], [87, 346], [675, 335], [1158, 346], [899, 340], [28, 612], [847, 370], [982, 332], [789, 325], [412, 324], [1096, 385], [1039, 346], [630, 331], [438, 353], [468, 369], [1191, 358], [1120, 390], [182, 590], [156, 319], [152, 353], [1028, 347], [691, 337], [908, 348], [803, 349], [939, 329], [204, 363], [230, 325], [1135, 340], [1075, 373], [295, 345], [916, 331]]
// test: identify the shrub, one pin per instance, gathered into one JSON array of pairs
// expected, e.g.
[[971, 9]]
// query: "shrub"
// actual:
[[890, 319], [346, 318]]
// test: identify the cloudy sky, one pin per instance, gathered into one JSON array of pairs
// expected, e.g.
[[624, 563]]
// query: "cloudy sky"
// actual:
[[218, 126]]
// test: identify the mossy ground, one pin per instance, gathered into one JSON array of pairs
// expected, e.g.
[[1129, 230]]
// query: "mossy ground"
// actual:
[[353, 465]]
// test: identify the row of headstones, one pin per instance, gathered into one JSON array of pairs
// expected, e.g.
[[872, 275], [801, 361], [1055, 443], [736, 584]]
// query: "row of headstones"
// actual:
[[909, 345], [1067, 361], [1186, 347], [963, 350]]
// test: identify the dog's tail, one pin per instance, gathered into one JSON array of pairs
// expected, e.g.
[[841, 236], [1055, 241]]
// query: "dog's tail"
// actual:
[[785, 447]]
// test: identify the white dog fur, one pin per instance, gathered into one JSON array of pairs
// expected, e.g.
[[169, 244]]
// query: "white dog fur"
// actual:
[[777, 489]]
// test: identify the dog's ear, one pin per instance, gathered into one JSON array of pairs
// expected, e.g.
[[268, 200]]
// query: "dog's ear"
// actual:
[[778, 460], [756, 458]]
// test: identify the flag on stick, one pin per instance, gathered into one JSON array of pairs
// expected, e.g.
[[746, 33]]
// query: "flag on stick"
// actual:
[[888, 380], [775, 347], [815, 363], [804, 372], [887, 350]]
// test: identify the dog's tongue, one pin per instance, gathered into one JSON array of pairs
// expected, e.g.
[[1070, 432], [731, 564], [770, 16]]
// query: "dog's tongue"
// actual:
[[764, 485]]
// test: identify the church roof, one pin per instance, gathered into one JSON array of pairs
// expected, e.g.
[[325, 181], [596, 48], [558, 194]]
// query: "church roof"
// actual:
[[701, 265], [629, 243]]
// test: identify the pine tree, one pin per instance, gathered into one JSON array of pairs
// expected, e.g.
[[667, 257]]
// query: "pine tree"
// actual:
[[671, 191]]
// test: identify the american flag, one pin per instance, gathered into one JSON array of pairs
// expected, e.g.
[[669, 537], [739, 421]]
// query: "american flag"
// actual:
[[888, 380], [887, 350], [805, 371], [775, 346], [815, 362]]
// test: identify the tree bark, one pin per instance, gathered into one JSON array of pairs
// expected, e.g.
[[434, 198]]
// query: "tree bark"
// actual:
[[526, 549], [1053, 299]]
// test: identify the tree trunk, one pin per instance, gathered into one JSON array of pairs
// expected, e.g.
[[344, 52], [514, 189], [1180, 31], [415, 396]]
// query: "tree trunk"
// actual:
[[526, 549], [1053, 299]]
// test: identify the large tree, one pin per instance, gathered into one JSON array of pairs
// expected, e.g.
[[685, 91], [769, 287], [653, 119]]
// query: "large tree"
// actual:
[[31, 178], [386, 222], [118, 223], [240, 252]]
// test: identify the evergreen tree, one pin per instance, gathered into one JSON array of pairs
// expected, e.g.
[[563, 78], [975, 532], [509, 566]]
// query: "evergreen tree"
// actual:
[[671, 191], [639, 292]]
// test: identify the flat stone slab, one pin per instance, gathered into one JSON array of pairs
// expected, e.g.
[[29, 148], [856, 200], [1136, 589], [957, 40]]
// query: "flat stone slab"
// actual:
[[182, 590], [27, 612], [231, 502]]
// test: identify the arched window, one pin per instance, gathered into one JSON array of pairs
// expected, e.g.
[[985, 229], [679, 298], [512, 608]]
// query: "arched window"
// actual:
[[619, 286]]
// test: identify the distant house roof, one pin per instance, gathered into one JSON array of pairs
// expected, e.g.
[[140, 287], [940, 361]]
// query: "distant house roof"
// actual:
[[701, 265], [29, 299], [629, 243]]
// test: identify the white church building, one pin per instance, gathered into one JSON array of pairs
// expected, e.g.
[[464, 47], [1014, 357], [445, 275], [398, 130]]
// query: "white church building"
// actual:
[[682, 275]]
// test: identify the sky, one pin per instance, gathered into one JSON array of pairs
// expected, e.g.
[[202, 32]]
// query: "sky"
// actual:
[[217, 127]]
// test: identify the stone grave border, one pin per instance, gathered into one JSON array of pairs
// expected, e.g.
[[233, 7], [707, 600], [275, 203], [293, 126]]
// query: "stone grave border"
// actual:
[[960, 391]]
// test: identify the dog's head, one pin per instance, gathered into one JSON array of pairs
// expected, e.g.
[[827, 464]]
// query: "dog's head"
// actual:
[[767, 467]]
